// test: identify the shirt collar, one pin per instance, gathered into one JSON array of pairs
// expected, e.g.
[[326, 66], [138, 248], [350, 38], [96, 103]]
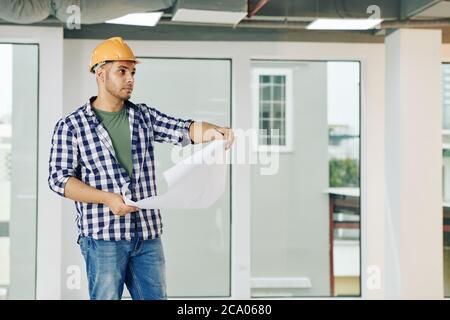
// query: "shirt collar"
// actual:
[[90, 112]]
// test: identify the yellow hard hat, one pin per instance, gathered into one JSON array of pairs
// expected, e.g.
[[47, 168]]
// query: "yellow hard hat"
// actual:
[[112, 49]]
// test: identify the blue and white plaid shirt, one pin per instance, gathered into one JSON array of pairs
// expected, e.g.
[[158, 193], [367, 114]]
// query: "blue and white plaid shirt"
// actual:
[[82, 148]]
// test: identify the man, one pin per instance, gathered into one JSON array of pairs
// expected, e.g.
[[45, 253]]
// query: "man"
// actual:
[[96, 150]]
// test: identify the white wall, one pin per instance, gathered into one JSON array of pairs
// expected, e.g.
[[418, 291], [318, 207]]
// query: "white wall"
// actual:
[[414, 230]]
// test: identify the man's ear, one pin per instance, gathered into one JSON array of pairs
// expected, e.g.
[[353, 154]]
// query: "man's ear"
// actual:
[[100, 74]]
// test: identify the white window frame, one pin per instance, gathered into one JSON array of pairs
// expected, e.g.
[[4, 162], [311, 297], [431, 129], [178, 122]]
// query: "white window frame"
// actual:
[[50, 99], [242, 54], [289, 97]]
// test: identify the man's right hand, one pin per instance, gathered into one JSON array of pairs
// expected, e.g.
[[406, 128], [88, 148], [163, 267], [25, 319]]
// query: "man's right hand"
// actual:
[[115, 202]]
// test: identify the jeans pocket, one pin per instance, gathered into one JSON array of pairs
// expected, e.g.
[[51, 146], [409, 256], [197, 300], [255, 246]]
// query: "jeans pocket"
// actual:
[[85, 244]]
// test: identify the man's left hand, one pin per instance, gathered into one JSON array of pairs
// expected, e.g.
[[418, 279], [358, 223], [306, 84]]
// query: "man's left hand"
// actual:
[[228, 135]]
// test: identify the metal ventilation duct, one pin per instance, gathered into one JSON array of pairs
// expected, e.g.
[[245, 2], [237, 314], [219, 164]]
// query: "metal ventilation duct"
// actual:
[[91, 11]]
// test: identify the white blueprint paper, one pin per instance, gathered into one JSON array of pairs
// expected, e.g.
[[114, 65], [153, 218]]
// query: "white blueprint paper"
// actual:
[[194, 183]]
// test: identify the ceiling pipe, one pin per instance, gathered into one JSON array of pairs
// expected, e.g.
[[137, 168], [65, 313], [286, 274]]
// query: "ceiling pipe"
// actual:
[[436, 23], [258, 6], [396, 24], [300, 25]]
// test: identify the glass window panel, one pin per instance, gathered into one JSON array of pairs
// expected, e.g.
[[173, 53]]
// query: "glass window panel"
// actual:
[[278, 110], [18, 171], [315, 191], [446, 139], [279, 79], [265, 125], [276, 125], [265, 110], [277, 93], [199, 265], [446, 173], [265, 79], [446, 96], [272, 104], [266, 93]]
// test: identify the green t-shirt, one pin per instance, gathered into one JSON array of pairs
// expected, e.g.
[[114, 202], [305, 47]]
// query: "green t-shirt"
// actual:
[[118, 127]]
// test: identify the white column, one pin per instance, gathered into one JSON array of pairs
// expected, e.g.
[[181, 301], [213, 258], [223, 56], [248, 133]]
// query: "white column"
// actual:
[[241, 200], [413, 159]]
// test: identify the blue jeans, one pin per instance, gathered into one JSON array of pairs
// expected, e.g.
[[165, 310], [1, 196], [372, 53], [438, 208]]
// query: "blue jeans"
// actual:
[[111, 264]]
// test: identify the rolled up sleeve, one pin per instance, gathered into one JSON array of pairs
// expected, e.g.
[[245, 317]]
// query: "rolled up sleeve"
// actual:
[[63, 157], [170, 129]]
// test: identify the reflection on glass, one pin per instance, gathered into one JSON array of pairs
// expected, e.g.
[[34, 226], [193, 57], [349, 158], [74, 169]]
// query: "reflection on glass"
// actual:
[[196, 242], [18, 156], [446, 196], [446, 95], [446, 173]]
